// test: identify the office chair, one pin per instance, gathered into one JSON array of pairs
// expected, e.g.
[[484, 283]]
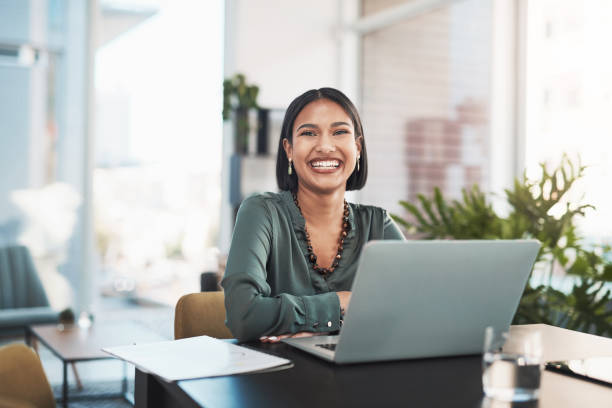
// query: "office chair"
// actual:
[[23, 382], [199, 314], [23, 300]]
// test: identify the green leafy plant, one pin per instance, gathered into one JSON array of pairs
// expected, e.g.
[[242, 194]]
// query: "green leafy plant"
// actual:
[[538, 209], [237, 94], [66, 317], [239, 97]]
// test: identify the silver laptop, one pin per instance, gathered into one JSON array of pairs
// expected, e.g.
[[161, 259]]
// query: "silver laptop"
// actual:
[[415, 299]]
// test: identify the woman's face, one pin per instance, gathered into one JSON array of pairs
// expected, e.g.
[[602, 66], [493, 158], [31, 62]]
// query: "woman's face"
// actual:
[[324, 150]]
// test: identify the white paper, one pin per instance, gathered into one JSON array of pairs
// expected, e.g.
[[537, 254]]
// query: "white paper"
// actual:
[[195, 357]]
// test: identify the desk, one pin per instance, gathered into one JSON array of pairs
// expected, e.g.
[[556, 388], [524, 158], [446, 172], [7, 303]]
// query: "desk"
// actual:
[[434, 382]]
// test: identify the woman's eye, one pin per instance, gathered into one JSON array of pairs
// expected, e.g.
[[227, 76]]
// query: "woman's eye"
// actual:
[[307, 133], [340, 132]]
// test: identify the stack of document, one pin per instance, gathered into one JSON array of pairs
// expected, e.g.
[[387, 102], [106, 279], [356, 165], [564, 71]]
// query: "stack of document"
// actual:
[[196, 357]]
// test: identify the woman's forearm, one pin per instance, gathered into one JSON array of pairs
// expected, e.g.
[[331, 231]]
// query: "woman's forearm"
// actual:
[[251, 315]]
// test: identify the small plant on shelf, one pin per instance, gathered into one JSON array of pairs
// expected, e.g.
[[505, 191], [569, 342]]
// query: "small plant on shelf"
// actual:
[[538, 209], [238, 98]]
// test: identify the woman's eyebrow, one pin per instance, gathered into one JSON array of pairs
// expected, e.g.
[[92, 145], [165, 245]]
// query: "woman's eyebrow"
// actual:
[[308, 125], [339, 124]]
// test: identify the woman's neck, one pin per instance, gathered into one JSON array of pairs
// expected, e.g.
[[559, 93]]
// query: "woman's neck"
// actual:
[[321, 209]]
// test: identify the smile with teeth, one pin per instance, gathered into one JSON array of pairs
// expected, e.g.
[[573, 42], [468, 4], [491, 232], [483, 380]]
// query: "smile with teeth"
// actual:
[[325, 164]]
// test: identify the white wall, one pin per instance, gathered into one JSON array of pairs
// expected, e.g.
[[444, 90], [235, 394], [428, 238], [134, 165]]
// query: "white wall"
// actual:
[[285, 47]]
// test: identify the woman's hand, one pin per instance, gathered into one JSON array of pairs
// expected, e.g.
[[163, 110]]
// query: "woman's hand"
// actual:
[[345, 299], [276, 339]]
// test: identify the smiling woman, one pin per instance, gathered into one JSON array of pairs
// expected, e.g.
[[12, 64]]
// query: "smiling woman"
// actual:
[[320, 114], [294, 254]]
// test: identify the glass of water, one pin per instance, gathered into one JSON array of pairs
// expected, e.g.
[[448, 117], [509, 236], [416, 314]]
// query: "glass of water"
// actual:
[[511, 365]]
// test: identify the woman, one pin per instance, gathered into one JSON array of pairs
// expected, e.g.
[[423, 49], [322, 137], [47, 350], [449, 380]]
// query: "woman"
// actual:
[[294, 254]]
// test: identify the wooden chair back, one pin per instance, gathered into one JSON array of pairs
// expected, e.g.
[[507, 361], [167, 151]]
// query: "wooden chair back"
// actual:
[[199, 314]]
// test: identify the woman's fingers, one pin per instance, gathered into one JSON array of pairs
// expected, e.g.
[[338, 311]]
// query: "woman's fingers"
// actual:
[[303, 334], [273, 339], [276, 339]]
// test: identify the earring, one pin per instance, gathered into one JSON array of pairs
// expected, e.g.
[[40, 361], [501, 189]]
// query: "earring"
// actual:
[[290, 170], [358, 158]]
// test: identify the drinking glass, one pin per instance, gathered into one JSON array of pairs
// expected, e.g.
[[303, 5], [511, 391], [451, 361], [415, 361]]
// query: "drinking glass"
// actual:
[[511, 365]]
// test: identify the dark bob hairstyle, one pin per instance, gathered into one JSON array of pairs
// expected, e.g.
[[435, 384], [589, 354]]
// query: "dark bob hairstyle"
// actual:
[[285, 181]]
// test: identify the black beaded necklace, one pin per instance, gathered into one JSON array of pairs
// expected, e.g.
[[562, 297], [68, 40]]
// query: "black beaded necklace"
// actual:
[[311, 255]]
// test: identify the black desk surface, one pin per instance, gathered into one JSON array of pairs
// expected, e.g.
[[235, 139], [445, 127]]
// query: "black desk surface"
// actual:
[[438, 382]]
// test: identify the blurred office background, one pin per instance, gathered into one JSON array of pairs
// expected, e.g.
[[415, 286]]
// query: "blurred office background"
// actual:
[[115, 161]]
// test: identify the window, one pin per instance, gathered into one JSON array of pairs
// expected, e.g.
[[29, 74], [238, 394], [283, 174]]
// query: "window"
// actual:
[[425, 102], [158, 147], [569, 97]]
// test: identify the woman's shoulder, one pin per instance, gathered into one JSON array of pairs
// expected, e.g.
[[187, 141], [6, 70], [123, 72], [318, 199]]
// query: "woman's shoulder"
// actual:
[[267, 197], [376, 222], [267, 201], [368, 211]]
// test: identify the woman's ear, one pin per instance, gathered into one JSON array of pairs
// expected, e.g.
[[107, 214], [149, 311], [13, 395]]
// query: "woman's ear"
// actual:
[[288, 148], [358, 144]]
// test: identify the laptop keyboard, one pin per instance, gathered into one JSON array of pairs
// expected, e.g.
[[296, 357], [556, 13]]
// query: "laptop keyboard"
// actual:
[[329, 346]]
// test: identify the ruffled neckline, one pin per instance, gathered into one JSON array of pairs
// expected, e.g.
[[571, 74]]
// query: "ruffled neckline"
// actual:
[[299, 223]]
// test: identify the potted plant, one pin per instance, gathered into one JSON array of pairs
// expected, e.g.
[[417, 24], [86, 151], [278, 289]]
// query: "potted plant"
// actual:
[[66, 319], [238, 98], [538, 209]]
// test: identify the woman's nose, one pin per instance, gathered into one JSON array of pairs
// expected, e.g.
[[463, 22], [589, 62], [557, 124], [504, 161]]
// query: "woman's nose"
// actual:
[[326, 144]]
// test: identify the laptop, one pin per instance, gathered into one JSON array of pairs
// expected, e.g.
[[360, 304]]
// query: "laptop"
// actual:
[[417, 299]]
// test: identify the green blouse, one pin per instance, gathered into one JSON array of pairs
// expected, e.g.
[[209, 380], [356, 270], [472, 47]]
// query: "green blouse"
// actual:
[[270, 287]]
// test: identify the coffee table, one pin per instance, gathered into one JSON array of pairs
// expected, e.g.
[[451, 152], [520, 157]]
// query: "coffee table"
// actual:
[[75, 344]]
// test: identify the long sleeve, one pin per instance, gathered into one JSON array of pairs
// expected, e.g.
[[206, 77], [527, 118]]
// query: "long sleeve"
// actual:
[[251, 309]]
